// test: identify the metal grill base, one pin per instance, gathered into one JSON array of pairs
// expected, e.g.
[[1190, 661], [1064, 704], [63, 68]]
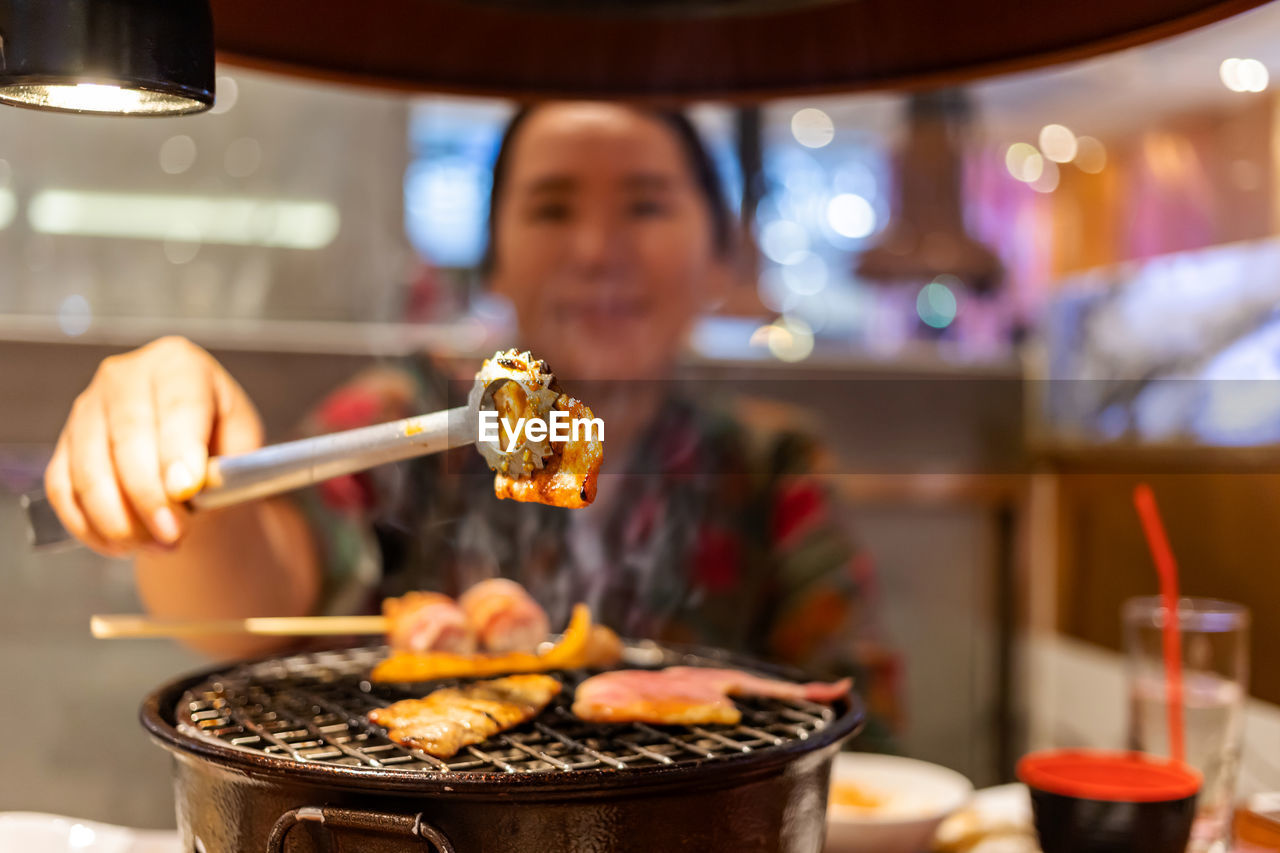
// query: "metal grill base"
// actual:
[[277, 756], [780, 813]]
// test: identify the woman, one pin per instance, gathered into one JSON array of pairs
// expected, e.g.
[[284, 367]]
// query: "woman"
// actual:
[[609, 236]]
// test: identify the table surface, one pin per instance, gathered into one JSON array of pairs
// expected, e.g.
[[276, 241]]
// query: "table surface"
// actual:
[[996, 820]]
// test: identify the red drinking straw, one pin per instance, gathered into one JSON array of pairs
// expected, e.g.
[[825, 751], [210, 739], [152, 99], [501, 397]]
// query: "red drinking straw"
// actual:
[[1167, 567]]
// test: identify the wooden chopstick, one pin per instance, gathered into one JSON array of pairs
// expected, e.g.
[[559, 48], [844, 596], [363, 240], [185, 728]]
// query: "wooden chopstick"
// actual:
[[112, 626]]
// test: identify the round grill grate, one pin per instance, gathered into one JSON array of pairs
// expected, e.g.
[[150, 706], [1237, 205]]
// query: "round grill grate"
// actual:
[[311, 708]]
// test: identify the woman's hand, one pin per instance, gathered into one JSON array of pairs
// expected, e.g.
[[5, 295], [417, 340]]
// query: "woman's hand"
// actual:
[[138, 441]]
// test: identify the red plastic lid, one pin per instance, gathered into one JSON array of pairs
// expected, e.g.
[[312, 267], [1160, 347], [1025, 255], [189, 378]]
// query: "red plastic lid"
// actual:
[[1122, 777]]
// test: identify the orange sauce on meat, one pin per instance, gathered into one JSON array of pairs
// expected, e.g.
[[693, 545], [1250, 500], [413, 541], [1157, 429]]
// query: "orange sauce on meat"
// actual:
[[568, 479]]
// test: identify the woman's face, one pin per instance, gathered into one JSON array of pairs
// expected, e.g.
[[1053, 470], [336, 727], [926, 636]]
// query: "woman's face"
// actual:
[[603, 241]]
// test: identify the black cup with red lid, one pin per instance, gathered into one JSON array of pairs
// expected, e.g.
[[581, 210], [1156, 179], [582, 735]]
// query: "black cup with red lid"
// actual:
[[1094, 801]]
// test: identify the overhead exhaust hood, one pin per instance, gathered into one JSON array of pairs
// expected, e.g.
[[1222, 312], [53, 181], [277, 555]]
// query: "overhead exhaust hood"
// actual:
[[680, 49], [926, 236]]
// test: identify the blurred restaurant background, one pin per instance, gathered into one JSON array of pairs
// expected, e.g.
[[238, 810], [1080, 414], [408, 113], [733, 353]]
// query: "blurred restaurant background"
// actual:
[[1002, 302]]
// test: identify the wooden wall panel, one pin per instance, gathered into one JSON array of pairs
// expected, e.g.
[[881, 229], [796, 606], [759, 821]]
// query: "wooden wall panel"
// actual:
[[1225, 531]]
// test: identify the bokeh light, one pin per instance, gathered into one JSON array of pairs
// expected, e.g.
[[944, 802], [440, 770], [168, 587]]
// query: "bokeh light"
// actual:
[[1024, 162], [936, 303], [228, 92], [1058, 143], [855, 177], [74, 315], [1253, 75], [807, 275], [8, 206], [784, 241], [446, 198], [80, 837], [815, 310], [1091, 155], [1048, 180], [789, 339], [1243, 75], [812, 128], [851, 215], [774, 292], [177, 154], [1228, 74]]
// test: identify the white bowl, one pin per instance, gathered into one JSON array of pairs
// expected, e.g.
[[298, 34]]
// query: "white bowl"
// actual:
[[915, 796]]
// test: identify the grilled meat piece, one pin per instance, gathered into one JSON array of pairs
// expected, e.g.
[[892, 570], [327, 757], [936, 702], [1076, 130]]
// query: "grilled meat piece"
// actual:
[[505, 617], [449, 719], [428, 622], [569, 653], [652, 697], [568, 477], [738, 683], [685, 695]]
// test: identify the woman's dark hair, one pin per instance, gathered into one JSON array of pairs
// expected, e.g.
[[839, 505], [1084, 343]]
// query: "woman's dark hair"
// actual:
[[705, 176]]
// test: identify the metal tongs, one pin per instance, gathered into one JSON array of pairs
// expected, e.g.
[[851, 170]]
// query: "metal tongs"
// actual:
[[280, 468]]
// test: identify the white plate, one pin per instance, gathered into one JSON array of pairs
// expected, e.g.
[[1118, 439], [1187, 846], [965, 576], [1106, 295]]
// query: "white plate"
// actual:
[[33, 832], [916, 795]]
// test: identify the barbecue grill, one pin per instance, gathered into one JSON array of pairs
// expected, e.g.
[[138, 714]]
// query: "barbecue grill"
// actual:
[[276, 755]]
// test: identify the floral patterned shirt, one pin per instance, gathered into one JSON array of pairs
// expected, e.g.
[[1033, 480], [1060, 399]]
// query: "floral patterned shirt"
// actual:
[[717, 537]]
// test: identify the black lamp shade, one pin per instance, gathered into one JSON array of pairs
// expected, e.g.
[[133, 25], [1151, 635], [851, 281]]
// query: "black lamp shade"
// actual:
[[114, 57]]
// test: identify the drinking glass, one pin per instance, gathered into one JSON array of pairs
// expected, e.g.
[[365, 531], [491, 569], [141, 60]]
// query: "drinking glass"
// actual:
[[1215, 682]]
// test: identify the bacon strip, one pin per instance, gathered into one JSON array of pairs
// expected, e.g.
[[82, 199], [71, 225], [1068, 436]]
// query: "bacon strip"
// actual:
[[685, 695], [426, 622], [738, 683], [505, 616]]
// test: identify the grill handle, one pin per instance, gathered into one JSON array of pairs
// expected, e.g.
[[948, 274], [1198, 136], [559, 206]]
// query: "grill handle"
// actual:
[[359, 820]]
